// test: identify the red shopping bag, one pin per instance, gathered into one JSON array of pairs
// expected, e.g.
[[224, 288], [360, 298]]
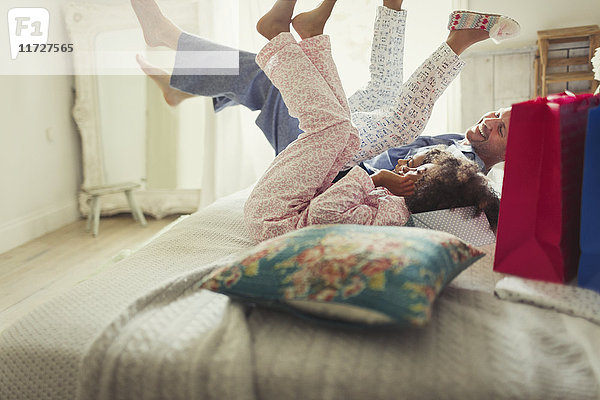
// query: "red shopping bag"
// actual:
[[538, 226]]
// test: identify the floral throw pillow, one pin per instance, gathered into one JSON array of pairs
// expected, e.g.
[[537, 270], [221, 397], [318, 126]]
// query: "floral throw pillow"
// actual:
[[355, 274]]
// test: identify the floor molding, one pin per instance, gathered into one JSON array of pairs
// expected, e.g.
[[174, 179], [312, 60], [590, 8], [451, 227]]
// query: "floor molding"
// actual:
[[21, 230]]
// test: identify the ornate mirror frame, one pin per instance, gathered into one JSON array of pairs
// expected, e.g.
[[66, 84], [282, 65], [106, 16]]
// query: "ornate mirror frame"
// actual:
[[85, 21]]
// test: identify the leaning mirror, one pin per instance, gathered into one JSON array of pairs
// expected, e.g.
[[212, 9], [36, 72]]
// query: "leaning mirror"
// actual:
[[128, 133]]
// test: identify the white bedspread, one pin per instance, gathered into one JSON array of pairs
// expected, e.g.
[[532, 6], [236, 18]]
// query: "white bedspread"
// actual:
[[137, 332]]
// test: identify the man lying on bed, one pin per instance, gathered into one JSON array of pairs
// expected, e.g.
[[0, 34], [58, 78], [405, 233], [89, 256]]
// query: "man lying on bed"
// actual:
[[381, 128]]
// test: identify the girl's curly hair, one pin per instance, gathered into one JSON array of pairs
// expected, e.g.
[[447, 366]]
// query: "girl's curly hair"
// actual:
[[455, 182]]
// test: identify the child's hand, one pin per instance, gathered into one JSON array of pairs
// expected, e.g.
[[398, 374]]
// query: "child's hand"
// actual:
[[397, 184]]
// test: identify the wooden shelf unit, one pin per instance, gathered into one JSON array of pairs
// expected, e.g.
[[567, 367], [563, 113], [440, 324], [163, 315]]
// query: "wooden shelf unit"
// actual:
[[546, 38]]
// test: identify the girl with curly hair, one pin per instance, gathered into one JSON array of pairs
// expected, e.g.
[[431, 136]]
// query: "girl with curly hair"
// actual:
[[455, 182]]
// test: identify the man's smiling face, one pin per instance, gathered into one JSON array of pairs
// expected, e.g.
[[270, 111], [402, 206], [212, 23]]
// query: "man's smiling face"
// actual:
[[488, 137]]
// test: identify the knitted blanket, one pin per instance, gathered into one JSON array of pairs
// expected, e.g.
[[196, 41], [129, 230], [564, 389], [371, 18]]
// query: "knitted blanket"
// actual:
[[138, 331]]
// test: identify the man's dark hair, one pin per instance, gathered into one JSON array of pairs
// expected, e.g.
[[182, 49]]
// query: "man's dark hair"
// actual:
[[455, 182]]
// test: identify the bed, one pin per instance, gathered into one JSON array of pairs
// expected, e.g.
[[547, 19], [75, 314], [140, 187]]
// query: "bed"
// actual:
[[141, 330]]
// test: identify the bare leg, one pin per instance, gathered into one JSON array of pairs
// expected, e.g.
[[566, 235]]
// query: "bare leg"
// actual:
[[312, 23], [460, 40], [277, 19], [162, 78], [158, 29]]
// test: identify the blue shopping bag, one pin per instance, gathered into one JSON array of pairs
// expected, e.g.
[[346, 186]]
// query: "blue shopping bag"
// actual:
[[589, 240]]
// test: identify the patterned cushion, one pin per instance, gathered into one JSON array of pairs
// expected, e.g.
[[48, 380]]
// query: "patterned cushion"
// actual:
[[348, 273]]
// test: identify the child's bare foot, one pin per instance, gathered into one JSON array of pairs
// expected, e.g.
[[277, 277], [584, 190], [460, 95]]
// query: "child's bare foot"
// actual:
[[312, 23], [158, 29], [277, 19], [460, 40], [393, 4], [162, 78]]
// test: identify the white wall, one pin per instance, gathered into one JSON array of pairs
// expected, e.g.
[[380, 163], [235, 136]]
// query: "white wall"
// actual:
[[39, 147]]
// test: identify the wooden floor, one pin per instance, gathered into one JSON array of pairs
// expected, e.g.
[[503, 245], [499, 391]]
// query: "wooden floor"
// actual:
[[39, 270]]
